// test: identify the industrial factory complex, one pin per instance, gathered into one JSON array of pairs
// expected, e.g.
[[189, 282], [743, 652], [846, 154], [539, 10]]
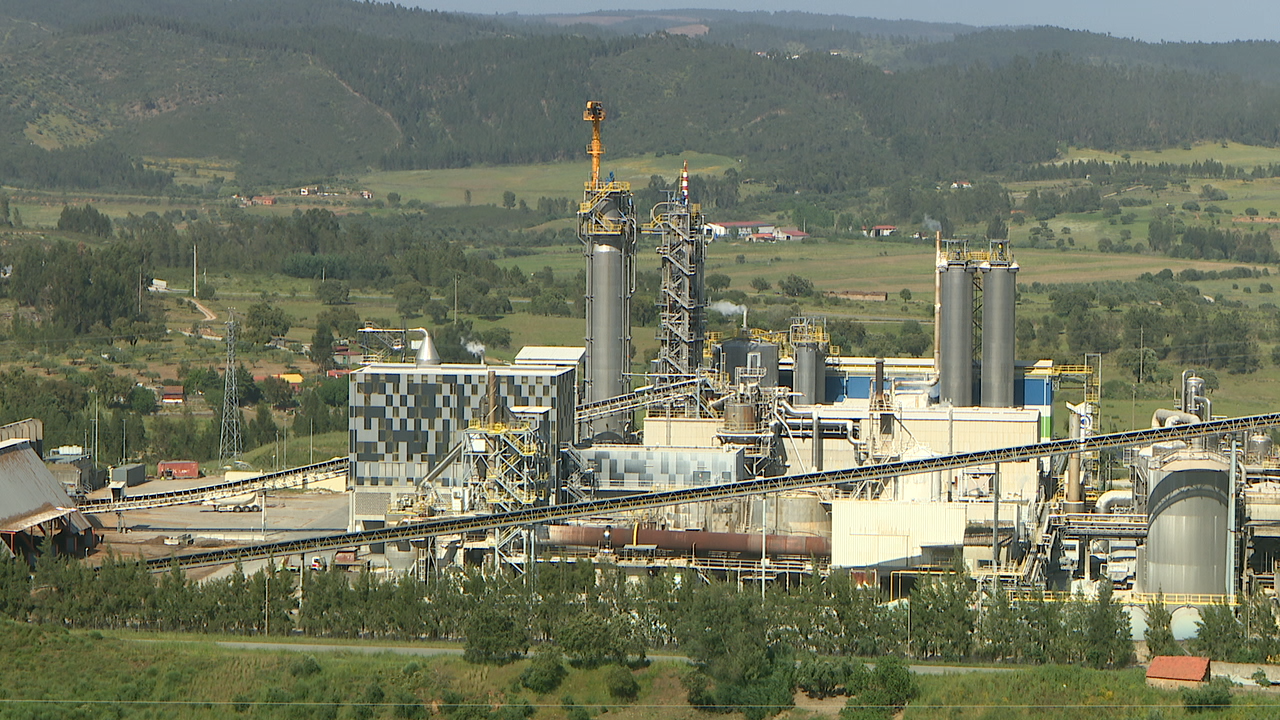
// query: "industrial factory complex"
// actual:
[[771, 455]]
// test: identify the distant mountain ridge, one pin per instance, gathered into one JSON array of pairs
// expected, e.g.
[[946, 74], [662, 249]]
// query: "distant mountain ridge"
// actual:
[[298, 90]]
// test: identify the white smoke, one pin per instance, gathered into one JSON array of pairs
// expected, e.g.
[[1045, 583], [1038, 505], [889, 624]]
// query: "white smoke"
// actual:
[[931, 225], [475, 348], [724, 307]]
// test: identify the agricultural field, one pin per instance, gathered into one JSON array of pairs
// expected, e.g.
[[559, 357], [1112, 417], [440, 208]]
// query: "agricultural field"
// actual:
[[530, 182], [1229, 153]]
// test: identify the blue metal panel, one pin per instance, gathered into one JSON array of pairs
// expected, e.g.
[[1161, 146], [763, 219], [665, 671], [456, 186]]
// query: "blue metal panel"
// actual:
[[1035, 391]]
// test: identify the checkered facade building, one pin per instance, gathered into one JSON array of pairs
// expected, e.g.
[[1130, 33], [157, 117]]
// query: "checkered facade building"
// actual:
[[405, 418]]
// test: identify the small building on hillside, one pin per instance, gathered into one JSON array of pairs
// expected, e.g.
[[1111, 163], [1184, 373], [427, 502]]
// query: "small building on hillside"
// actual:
[[172, 395], [882, 231], [1170, 672], [36, 514]]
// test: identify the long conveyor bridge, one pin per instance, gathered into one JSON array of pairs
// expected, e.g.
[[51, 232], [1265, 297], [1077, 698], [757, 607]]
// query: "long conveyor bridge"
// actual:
[[281, 480], [849, 476]]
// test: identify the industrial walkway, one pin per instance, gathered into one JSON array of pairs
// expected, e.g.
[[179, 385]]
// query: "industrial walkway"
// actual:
[[281, 480], [851, 476]]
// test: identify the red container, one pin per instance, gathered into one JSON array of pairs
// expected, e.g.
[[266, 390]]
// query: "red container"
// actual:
[[178, 469]]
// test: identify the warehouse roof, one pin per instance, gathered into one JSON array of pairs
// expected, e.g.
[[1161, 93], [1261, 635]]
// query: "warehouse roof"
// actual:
[[29, 493]]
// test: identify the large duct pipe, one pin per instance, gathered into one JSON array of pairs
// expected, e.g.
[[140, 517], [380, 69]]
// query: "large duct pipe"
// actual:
[[1168, 418], [956, 353], [999, 290], [607, 332], [1114, 498], [689, 540], [1075, 491]]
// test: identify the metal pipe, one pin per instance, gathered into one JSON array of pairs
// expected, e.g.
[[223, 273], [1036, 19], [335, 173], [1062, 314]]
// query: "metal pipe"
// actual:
[[1075, 493], [995, 518], [1112, 498], [688, 540], [1232, 478], [817, 442]]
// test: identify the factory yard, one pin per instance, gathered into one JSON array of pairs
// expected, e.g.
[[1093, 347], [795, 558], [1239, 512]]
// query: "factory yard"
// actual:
[[288, 515]]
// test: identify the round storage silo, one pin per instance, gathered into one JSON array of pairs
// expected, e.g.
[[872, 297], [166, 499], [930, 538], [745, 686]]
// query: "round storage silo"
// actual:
[[999, 288], [733, 355], [1186, 550], [607, 360], [955, 355], [810, 377]]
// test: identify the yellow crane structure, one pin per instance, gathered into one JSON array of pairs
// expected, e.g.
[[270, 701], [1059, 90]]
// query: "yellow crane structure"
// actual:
[[595, 114]]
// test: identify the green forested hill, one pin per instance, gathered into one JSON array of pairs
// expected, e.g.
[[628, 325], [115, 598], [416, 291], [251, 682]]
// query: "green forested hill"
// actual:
[[155, 92], [291, 92]]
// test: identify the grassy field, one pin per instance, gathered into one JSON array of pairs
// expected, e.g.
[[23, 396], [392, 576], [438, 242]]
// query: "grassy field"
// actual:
[[1228, 153], [171, 676], [530, 182]]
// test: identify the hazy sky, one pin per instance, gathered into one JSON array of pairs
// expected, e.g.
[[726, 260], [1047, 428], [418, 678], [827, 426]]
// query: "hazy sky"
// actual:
[[1151, 20]]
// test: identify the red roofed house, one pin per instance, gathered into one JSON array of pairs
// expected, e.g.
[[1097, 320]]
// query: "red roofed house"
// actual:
[[883, 230], [1177, 671]]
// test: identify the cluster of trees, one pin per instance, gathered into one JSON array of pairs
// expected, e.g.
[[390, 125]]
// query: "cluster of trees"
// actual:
[[594, 617], [87, 220], [745, 647], [922, 203], [1166, 320], [1171, 237], [75, 291]]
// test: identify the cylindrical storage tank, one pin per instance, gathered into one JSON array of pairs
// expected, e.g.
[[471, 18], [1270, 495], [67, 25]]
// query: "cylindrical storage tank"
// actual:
[[607, 339], [764, 355], [955, 356], [810, 378], [1186, 550], [1260, 446], [733, 355], [739, 417], [999, 287]]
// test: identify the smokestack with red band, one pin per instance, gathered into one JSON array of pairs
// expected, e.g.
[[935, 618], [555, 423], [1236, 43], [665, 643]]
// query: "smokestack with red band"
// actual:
[[684, 183]]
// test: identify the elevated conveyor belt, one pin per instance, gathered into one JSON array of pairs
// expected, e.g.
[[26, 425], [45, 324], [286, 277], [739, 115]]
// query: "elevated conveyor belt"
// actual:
[[639, 399], [860, 475], [290, 478]]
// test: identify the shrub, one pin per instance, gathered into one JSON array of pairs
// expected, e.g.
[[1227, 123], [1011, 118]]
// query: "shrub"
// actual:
[[545, 671], [621, 683], [1214, 696], [305, 667]]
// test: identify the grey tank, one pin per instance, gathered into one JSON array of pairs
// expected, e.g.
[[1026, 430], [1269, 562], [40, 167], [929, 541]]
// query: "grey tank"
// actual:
[[999, 288], [608, 334], [956, 335], [1186, 550], [810, 378]]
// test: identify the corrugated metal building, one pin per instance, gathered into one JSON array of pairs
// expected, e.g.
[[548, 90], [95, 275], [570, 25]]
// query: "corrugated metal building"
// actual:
[[36, 514]]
